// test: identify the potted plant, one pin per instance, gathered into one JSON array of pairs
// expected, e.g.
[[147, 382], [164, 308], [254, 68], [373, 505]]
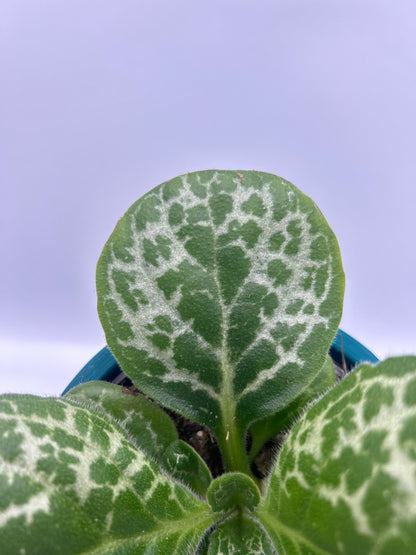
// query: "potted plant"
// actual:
[[220, 294]]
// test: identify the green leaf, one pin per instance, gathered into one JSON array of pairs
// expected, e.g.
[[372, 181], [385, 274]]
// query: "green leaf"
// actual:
[[240, 534], [345, 481], [147, 425], [264, 429], [149, 428], [72, 482], [233, 490], [184, 464], [220, 293]]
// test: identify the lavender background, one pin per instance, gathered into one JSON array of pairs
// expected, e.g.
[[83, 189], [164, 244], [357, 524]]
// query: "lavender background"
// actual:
[[102, 100]]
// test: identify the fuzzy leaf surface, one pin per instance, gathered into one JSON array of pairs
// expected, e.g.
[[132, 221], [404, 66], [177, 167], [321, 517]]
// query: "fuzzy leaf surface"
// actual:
[[240, 534], [233, 490], [71, 482], [345, 481], [184, 464], [264, 429], [149, 428], [220, 293], [148, 425]]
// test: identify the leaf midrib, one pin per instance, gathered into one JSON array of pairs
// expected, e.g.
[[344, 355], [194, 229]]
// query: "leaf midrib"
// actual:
[[164, 528], [227, 397]]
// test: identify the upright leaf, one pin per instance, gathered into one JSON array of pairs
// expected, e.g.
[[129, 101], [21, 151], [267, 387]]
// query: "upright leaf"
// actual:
[[345, 481], [220, 293], [71, 482]]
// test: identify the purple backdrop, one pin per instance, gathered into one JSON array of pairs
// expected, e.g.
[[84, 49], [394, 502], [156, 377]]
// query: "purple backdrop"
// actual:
[[102, 100]]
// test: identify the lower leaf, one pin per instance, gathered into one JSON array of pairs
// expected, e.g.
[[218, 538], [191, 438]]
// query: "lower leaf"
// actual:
[[71, 482], [345, 480], [148, 426]]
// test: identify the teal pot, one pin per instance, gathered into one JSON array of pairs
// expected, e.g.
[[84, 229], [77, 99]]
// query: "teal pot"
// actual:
[[346, 352]]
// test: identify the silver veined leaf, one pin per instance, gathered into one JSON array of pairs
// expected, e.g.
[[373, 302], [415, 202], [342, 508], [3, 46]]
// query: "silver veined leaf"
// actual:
[[149, 428], [147, 425], [220, 293], [71, 482], [345, 480]]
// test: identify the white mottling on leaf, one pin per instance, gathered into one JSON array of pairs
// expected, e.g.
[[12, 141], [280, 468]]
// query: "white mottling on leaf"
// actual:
[[37, 503]]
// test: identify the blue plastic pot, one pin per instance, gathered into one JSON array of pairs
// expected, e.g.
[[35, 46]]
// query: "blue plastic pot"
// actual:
[[345, 351]]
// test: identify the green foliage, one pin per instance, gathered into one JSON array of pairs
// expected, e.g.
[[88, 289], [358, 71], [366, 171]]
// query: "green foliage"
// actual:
[[183, 463], [240, 533], [264, 429], [147, 425], [220, 293], [71, 481], [345, 480], [233, 490], [149, 428]]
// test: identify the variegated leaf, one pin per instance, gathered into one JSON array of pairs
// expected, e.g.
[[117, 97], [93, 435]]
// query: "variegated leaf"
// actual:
[[345, 480], [264, 429], [147, 424], [220, 293], [149, 428], [71, 482]]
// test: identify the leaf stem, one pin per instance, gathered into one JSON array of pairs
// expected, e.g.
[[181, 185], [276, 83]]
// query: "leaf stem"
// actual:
[[232, 442]]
